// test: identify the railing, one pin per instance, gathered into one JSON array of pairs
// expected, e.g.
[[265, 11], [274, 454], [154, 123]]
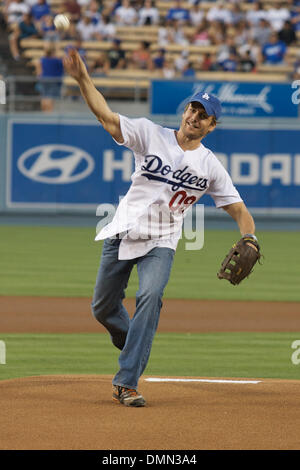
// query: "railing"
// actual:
[[22, 91]]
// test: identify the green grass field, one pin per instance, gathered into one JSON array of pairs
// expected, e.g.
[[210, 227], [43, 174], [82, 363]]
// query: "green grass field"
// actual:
[[63, 261], [257, 355]]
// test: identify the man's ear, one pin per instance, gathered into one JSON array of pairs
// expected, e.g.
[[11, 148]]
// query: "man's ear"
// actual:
[[211, 127]]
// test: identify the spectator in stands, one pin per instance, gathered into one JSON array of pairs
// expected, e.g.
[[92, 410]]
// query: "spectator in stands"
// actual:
[[201, 36], [188, 71], [92, 10], [219, 13], [105, 30], [98, 66], [277, 15], [171, 33], [115, 57], [178, 13], [86, 28], [226, 49], [25, 29], [246, 63], [73, 9], [236, 13], [261, 32], [231, 63], [217, 32], [181, 61], [168, 71], [295, 15], [141, 57], [14, 12], [179, 34], [165, 33], [50, 71], [125, 15], [254, 49], [206, 62], [273, 52], [40, 9], [287, 33], [148, 14], [209, 62], [47, 29], [197, 15], [256, 13], [158, 59], [242, 33]]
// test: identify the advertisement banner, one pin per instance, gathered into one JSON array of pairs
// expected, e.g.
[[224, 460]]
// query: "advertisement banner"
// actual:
[[238, 99], [68, 164], [52, 165], [264, 164]]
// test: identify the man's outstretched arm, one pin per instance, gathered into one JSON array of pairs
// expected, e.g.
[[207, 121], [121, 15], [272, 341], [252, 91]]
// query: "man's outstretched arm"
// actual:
[[242, 216], [75, 67]]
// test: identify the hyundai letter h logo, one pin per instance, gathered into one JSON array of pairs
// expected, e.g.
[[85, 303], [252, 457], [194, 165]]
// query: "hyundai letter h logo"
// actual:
[[56, 164]]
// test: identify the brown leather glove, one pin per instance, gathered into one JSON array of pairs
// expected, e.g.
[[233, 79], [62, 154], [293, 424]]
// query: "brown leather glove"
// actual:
[[240, 261]]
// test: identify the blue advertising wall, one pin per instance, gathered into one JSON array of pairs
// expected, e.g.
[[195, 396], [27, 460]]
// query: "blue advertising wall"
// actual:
[[238, 99], [63, 164], [75, 165]]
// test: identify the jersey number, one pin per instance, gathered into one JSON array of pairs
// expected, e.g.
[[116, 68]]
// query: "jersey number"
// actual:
[[181, 201]]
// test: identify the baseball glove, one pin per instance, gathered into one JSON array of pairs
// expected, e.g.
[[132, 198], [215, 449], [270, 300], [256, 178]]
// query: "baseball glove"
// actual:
[[240, 260]]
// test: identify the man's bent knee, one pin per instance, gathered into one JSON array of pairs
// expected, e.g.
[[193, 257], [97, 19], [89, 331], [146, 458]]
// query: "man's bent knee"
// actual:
[[100, 312], [103, 316]]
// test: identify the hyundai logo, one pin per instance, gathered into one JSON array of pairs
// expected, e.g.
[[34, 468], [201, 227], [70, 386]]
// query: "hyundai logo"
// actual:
[[56, 164]]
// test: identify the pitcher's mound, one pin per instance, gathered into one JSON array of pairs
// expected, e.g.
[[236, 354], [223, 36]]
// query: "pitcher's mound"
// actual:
[[77, 412]]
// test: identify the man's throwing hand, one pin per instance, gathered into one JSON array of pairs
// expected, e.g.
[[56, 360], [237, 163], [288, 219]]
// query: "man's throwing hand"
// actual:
[[74, 65]]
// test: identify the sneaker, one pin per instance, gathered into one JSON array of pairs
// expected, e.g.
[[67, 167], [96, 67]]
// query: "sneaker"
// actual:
[[127, 396]]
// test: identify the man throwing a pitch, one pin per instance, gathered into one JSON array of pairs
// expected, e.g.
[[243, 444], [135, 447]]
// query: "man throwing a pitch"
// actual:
[[173, 169]]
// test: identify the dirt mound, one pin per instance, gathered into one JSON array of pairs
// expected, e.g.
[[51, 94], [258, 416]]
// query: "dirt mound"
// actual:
[[76, 412]]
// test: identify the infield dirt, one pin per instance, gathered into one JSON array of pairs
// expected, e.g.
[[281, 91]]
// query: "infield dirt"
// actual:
[[73, 315], [76, 412]]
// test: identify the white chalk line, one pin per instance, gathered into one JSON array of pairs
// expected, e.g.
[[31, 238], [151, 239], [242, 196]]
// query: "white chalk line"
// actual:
[[220, 381]]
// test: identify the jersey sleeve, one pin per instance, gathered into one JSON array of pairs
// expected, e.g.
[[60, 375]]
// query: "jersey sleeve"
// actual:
[[222, 189], [135, 133]]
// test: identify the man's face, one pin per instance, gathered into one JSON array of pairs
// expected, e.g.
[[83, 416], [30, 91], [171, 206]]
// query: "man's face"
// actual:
[[195, 121]]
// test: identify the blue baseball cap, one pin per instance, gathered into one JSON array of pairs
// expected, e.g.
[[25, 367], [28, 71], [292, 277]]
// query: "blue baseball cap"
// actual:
[[210, 102]]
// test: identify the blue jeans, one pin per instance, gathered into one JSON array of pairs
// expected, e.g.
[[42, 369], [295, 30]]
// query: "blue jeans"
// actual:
[[134, 336]]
